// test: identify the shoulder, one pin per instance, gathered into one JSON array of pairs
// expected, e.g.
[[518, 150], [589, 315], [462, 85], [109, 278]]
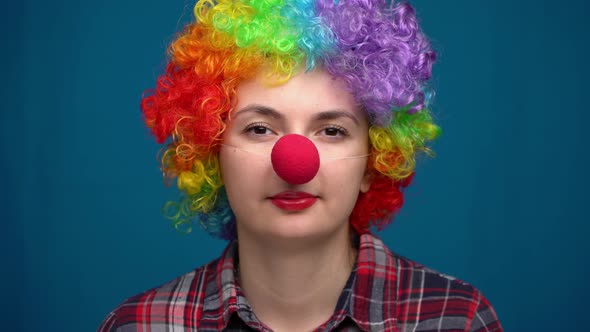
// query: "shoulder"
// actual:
[[426, 298], [164, 306]]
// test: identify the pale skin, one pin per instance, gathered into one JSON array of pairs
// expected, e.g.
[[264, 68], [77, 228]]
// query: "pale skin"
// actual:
[[294, 264]]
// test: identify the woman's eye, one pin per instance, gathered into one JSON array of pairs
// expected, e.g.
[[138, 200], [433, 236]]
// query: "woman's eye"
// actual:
[[334, 131], [258, 129]]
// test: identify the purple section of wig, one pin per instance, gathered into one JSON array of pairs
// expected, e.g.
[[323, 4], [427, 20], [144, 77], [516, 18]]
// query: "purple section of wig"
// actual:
[[383, 56]]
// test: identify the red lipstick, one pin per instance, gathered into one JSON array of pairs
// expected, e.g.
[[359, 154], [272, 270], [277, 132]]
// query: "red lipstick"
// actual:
[[293, 200]]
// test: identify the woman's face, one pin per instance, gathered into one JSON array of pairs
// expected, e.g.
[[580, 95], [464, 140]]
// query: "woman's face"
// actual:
[[313, 105]]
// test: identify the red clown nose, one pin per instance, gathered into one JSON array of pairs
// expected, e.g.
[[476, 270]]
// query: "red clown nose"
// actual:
[[295, 159]]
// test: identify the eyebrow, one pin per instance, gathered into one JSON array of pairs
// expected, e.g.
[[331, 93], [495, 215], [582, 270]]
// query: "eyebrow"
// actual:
[[262, 110], [335, 114], [325, 115]]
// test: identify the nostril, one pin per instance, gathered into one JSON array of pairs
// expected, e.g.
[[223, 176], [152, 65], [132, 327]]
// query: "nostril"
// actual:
[[295, 159]]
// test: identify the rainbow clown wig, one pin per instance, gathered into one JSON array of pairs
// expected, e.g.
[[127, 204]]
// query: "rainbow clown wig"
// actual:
[[374, 46]]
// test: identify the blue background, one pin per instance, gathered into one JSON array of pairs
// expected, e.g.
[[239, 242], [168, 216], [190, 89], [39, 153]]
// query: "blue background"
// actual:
[[502, 205]]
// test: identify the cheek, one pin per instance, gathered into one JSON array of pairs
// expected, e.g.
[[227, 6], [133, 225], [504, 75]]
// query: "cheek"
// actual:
[[236, 184], [343, 178], [230, 169], [242, 171]]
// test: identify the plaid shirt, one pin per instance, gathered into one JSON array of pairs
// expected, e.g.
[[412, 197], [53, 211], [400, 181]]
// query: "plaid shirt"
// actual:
[[385, 292]]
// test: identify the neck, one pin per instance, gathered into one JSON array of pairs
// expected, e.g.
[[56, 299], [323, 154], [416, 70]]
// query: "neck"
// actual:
[[287, 280]]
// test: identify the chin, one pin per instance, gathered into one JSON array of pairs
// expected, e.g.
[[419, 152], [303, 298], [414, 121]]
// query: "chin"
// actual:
[[297, 227]]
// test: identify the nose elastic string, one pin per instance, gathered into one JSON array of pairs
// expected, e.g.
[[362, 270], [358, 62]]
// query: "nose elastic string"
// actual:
[[295, 158], [323, 159], [340, 158]]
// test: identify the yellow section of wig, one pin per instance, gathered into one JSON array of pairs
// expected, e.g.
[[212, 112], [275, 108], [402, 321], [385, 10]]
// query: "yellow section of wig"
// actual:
[[241, 33], [201, 183], [395, 146]]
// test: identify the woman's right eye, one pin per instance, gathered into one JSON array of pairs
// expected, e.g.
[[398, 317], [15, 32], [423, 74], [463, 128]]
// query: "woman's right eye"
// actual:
[[258, 129]]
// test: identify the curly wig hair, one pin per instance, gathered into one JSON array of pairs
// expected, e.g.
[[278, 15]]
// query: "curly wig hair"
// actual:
[[375, 47]]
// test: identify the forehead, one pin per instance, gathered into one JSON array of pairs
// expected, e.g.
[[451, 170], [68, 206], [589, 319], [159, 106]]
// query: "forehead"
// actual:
[[313, 91]]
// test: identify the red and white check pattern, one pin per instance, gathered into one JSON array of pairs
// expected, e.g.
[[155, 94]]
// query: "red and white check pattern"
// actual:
[[385, 292]]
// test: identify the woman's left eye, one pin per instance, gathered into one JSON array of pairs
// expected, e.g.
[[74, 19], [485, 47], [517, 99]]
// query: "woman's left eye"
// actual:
[[334, 131]]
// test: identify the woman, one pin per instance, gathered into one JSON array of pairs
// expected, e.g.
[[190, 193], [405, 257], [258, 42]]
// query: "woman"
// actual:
[[292, 127]]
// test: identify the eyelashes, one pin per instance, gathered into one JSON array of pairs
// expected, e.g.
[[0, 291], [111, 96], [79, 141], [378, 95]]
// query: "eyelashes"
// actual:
[[264, 129], [258, 129], [335, 131]]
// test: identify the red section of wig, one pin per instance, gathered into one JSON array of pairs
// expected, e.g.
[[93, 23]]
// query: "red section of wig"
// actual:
[[377, 206], [190, 106]]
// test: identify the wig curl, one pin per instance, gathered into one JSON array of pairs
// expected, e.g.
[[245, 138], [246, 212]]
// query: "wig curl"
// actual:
[[375, 47]]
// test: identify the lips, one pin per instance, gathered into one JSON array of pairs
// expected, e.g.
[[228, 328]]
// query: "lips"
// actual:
[[293, 200]]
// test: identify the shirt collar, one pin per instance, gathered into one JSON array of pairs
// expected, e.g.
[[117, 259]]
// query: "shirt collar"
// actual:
[[365, 298], [373, 300]]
